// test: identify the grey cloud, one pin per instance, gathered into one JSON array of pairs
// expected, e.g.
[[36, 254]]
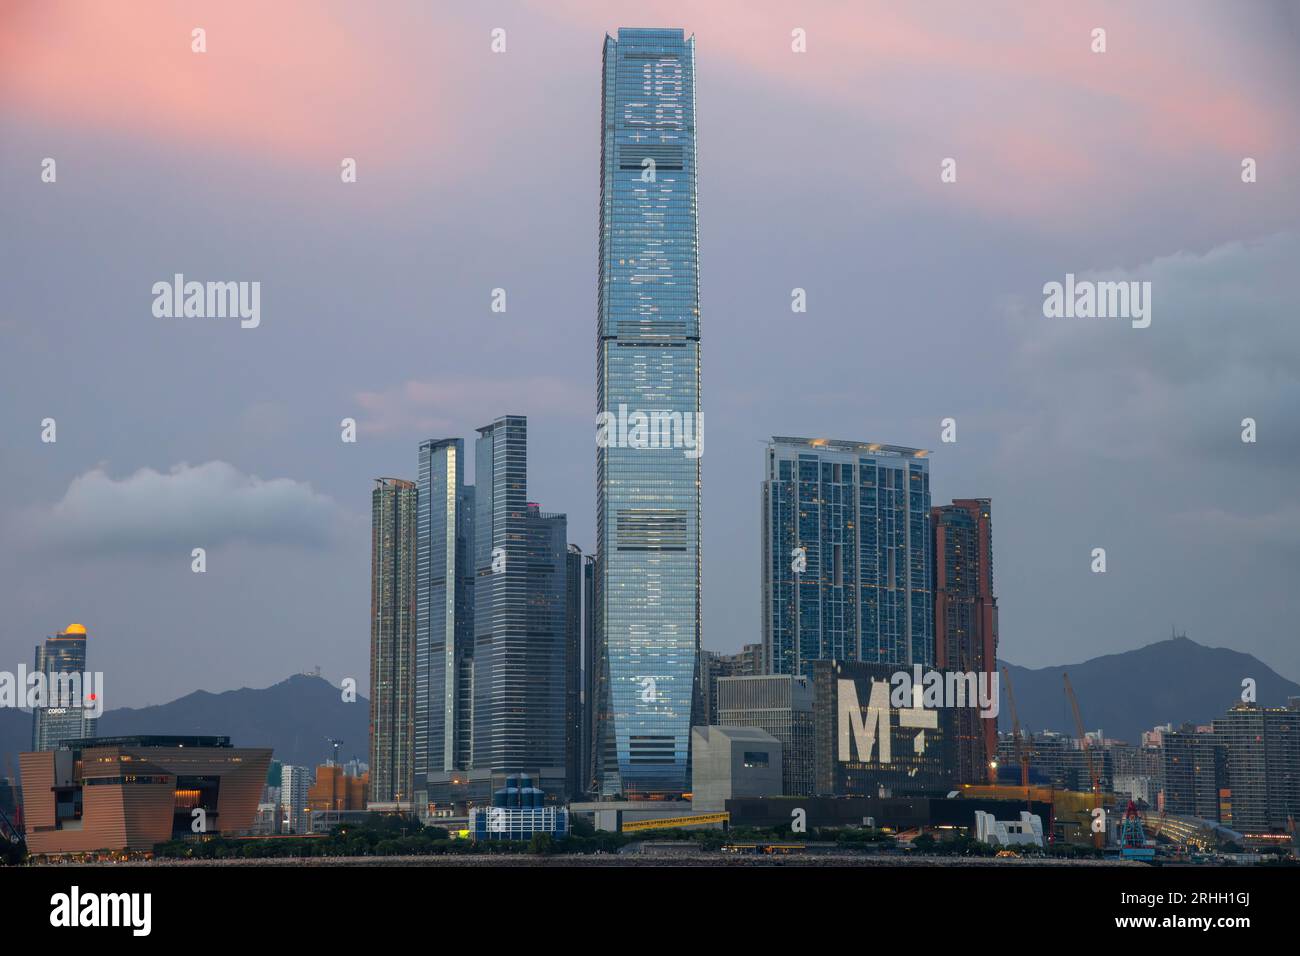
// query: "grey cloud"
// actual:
[[1223, 345], [207, 505], [1277, 530], [459, 405]]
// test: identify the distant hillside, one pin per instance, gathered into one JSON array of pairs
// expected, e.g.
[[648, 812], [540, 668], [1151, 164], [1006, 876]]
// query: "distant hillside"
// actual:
[[293, 717], [1124, 694]]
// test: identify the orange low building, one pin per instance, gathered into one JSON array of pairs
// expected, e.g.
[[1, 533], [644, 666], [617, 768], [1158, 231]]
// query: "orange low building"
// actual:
[[130, 793], [335, 790]]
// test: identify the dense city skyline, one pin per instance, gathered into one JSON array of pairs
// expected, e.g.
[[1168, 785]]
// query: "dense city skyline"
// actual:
[[1047, 411], [379, 573]]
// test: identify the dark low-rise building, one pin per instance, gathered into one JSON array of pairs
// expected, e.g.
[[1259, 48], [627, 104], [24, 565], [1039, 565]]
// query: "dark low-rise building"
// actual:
[[893, 813], [853, 754]]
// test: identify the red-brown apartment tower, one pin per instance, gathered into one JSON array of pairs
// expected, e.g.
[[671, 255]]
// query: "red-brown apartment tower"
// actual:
[[966, 621]]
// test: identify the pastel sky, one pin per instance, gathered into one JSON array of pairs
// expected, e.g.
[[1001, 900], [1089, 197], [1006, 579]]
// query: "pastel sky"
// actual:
[[476, 170]]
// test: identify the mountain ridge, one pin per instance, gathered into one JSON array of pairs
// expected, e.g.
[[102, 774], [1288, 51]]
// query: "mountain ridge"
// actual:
[[1174, 680], [1116, 693]]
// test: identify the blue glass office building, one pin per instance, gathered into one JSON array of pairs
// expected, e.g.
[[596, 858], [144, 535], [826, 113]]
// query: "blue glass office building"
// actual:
[[58, 657], [648, 364], [846, 554], [444, 609], [520, 650]]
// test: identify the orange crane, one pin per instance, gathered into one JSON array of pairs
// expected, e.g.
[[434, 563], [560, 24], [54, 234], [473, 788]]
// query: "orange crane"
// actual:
[[1098, 837], [1022, 753]]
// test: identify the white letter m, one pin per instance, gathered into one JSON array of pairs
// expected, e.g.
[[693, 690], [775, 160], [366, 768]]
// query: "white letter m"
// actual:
[[864, 732]]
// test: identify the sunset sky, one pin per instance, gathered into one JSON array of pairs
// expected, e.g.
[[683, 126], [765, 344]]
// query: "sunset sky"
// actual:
[[478, 170]]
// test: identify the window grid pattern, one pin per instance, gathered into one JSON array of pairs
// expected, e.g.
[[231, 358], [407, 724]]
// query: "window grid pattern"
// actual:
[[861, 515], [648, 360]]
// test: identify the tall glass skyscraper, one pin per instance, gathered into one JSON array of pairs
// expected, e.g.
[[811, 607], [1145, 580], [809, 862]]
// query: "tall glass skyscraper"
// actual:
[[846, 554], [648, 370], [444, 611], [519, 612], [60, 657], [394, 506]]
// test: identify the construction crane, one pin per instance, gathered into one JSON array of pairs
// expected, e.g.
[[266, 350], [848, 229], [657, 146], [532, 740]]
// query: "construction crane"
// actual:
[[1098, 836], [1022, 752]]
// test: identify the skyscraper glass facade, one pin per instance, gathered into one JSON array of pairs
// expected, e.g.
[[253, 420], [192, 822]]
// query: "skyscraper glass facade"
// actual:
[[520, 612], [444, 606], [648, 364], [59, 658], [846, 554], [394, 506]]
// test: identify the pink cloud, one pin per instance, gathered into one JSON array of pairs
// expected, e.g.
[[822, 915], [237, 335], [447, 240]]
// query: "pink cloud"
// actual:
[[456, 406], [1013, 87], [281, 80], [1034, 118]]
